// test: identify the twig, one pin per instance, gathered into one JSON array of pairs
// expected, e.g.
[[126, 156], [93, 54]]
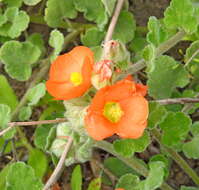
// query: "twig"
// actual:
[[113, 22], [177, 101], [29, 123], [60, 166]]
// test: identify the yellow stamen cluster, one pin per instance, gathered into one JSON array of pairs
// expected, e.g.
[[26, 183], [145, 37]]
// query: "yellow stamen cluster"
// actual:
[[76, 78]]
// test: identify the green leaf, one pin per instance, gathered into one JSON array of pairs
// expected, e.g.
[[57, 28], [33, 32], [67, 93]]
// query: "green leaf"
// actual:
[[175, 128], [195, 128], [5, 115], [149, 54], [128, 181], [36, 93], [17, 21], [18, 62], [56, 41], [3, 175], [15, 3], [181, 15], [165, 75], [109, 6], [191, 149], [157, 113], [56, 11], [31, 2], [93, 11], [127, 147], [40, 136], [7, 95], [76, 179], [188, 188], [156, 34], [95, 184], [125, 27], [22, 176], [92, 37], [155, 177], [191, 54], [25, 113], [39, 162]]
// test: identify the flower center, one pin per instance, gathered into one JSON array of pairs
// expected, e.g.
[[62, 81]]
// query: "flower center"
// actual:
[[76, 78], [112, 111]]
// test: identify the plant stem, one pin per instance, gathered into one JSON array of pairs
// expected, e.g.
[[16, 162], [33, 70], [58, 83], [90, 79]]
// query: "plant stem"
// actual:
[[164, 47], [131, 162], [178, 159]]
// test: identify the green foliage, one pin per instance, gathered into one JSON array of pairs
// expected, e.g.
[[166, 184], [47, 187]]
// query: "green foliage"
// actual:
[[56, 41], [93, 11], [5, 115], [18, 62], [157, 113], [7, 94], [95, 184], [36, 93], [165, 75], [109, 6], [156, 34], [92, 37], [76, 179], [11, 3], [181, 15], [188, 188], [175, 128], [127, 147], [195, 128], [39, 162], [128, 181], [191, 149], [15, 22], [56, 11], [125, 28], [25, 113], [31, 2], [22, 176]]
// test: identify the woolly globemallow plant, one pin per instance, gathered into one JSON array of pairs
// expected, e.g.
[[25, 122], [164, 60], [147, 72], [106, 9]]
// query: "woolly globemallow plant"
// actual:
[[70, 74], [118, 109]]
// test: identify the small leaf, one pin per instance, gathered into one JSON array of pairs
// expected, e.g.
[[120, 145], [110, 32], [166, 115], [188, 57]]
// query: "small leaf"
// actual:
[[156, 34], [128, 181], [109, 6], [5, 115], [56, 41], [21, 176], [18, 62], [17, 21], [93, 11], [7, 95], [191, 149], [56, 11], [155, 177], [149, 54], [76, 179], [92, 37], [3, 175], [181, 15], [188, 188], [157, 113], [195, 128], [31, 2], [164, 76], [125, 27], [175, 128], [38, 161], [25, 113], [95, 184], [36, 93]]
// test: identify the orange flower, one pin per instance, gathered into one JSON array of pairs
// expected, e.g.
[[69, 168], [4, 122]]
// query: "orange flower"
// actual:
[[120, 108], [70, 74]]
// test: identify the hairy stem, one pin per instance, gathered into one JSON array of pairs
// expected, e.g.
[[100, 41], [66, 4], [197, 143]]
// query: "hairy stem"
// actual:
[[177, 158], [131, 162]]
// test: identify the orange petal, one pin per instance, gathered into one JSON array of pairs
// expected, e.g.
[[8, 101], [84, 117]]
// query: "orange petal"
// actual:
[[133, 122], [97, 127], [142, 89], [121, 90]]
